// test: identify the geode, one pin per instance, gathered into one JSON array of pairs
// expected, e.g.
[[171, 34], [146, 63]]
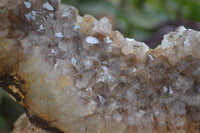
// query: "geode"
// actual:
[[75, 74]]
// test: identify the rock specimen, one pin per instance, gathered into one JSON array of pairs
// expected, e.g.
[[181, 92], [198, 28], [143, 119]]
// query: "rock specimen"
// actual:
[[73, 74]]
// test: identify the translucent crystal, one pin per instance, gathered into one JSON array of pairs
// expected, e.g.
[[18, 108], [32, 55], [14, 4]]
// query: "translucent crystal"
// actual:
[[91, 40], [27, 4], [48, 6]]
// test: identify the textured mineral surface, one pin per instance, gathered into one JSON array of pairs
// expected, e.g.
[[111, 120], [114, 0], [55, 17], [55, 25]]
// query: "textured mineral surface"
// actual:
[[73, 74], [23, 125]]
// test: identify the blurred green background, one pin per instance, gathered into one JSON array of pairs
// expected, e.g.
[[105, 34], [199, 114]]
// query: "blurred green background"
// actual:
[[143, 20], [9, 112]]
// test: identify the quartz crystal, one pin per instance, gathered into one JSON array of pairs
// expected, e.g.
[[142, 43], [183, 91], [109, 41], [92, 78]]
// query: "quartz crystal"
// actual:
[[74, 74]]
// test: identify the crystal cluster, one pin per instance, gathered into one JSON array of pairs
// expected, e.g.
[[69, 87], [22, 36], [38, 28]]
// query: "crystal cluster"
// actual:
[[74, 74]]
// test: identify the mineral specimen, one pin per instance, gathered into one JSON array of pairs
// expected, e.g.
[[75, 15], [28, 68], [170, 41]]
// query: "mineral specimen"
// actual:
[[74, 74]]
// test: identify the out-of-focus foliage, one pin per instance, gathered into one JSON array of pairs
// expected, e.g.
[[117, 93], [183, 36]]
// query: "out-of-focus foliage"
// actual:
[[9, 112], [142, 19]]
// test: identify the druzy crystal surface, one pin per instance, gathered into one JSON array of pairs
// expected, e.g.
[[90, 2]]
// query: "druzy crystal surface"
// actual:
[[74, 74]]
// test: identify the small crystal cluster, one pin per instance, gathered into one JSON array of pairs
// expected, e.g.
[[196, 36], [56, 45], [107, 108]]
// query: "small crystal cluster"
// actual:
[[74, 74]]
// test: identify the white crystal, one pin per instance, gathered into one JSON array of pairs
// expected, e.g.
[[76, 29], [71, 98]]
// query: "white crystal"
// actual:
[[65, 14], [165, 89], [105, 68], [102, 100], [181, 29], [171, 90], [88, 63], [74, 61], [59, 34], [151, 57], [33, 12], [41, 27], [53, 51], [28, 16], [27, 4], [140, 113], [129, 39], [33, 15], [187, 42], [76, 27], [108, 40], [134, 70], [91, 40], [89, 89], [109, 77], [51, 15], [156, 112], [48, 6]]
